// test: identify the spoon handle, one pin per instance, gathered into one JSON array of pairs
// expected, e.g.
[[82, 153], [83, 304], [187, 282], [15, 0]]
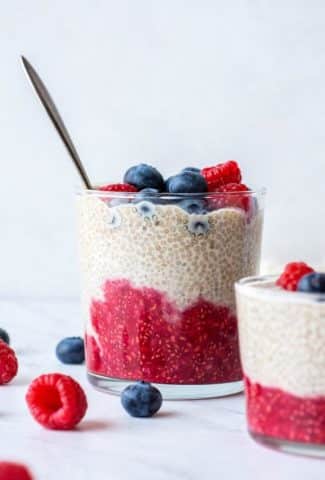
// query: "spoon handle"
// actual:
[[56, 119]]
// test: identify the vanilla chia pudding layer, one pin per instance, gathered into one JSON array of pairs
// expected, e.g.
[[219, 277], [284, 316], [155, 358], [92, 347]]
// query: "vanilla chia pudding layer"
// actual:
[[165, 248], [282, 338]]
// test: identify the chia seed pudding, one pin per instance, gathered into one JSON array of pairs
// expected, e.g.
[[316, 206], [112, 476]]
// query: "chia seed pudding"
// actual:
[[158, 290], [282, 344]]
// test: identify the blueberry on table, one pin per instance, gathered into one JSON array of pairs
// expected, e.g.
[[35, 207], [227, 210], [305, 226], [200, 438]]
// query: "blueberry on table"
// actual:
[[71, 350], [187, 182], [141, 399], [193, 205], [144, 176], [4, 336], [312, 283]]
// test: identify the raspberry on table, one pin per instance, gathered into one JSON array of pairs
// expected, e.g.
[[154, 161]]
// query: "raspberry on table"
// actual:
[[118, 187], [56, 401], [291, 275], [14, 471], [8, 363], [221, 174]]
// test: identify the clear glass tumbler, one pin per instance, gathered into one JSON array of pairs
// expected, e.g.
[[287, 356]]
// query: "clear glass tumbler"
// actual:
[[282, 345], [158, 276]]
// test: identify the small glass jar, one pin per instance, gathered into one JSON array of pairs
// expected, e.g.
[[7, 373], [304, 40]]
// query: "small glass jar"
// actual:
[[282, 345], [158, 276]]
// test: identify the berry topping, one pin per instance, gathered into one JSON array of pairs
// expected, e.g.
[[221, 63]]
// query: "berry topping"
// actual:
[[193, 205], [14, 471], [233, 188], [4, 336], [71, 350], [191, 169], [56, 401], [187, 182], [141, 399], [118, 187], [236, 199], [167, 182], [312, 283], [144, 176], [8, 363], [147, 193], [221, 174], [198, 224], [291, 275]]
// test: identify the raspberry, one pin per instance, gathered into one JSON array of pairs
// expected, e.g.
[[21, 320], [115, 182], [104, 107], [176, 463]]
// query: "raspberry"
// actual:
[[221, 174], [233, 187], [14, 471], [235, 198], [8, 363], [292, 274], [118, 187], [56, 401]]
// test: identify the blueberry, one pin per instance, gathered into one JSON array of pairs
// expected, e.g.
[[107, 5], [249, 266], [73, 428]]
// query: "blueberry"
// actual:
[[167, 182], [194, 205], [198, 224], [191, 169], [144, 176], [4, 336], [141, 399], [312, 283], [71, 350], [187, 182], [147, 194]]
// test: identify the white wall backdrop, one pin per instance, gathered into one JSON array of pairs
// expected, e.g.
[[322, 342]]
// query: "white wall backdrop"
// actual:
[[168, 82]]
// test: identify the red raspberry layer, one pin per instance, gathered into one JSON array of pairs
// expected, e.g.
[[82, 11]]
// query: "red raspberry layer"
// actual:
[[14, 471], [273, 412], [291, 275], [8, 363], [141, 335], [221, 174], [56, 401], [118, 187]]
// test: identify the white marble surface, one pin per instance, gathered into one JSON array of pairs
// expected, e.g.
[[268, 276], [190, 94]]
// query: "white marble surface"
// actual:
[[187, 440]]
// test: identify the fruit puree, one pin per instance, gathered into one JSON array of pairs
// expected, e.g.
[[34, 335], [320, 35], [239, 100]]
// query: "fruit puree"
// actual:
[[282, 343], [158, 289]]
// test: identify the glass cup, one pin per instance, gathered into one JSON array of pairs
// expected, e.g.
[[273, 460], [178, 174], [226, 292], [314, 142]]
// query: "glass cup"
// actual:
[[158, 276], [282, 345]]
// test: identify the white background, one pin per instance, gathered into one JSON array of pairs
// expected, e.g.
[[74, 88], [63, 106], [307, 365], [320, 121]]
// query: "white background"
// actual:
[[169, 82]]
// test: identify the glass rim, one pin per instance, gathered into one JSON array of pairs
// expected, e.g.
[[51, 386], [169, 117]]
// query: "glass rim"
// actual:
[[246, 285], [167, 195]]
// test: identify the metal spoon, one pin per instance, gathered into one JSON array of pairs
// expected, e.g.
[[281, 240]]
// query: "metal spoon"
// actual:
[[56, 119]]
